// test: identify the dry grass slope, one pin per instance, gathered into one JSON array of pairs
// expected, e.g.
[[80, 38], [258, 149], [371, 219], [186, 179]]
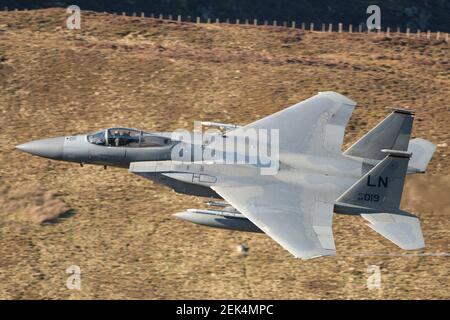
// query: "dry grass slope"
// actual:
[[161, 76], [29, 203]]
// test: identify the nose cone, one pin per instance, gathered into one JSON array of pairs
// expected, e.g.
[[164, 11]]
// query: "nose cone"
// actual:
[[51, 148]]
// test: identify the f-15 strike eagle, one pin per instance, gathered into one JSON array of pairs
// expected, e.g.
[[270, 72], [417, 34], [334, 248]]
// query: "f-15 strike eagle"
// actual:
[[289, 194]]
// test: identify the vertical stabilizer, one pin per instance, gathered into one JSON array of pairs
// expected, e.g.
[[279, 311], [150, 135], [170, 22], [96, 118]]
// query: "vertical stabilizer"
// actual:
[[376, 196], [380, 189], [392, 133]]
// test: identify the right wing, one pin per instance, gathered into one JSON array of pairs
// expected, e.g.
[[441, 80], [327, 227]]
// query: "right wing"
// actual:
[[315, 125]]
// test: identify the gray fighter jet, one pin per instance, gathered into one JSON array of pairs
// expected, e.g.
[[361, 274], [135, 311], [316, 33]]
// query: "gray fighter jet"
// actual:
[[284, 175]]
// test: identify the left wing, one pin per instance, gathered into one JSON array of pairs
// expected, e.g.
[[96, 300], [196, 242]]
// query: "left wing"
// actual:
[[294, 218], [290, 213]]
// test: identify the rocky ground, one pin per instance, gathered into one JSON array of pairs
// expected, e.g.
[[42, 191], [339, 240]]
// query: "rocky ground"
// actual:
[[158, 75]]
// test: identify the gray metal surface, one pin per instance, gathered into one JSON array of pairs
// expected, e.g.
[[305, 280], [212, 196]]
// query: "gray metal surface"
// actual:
[[422, 151], [391, 133], [218, 219], [381, 188], [294, 204], [403, 230]]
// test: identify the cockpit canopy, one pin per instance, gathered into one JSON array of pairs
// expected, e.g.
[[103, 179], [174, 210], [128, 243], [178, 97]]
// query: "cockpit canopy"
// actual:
[[126, 137]]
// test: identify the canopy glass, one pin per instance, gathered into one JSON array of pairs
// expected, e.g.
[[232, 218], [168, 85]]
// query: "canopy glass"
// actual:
[[126, 137]]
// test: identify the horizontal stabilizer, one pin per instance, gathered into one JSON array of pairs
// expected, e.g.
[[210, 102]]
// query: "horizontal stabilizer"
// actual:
[[403, 230], [422, 150]]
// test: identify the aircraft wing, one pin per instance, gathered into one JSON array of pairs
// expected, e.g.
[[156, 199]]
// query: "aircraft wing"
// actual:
[[315, 125], [289, 213], [292, 217]]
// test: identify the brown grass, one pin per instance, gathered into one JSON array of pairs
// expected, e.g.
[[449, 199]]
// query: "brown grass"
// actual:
[[31, 204], [162, 76]]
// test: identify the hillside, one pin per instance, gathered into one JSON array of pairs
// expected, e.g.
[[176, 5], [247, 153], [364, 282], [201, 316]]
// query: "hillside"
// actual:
[[156, 75]]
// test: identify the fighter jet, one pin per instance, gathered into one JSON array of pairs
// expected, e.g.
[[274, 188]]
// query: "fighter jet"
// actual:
[[284, 175]]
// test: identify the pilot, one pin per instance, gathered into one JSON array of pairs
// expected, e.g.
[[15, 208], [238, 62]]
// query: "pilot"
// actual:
[[116, 138], [126, 138]]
